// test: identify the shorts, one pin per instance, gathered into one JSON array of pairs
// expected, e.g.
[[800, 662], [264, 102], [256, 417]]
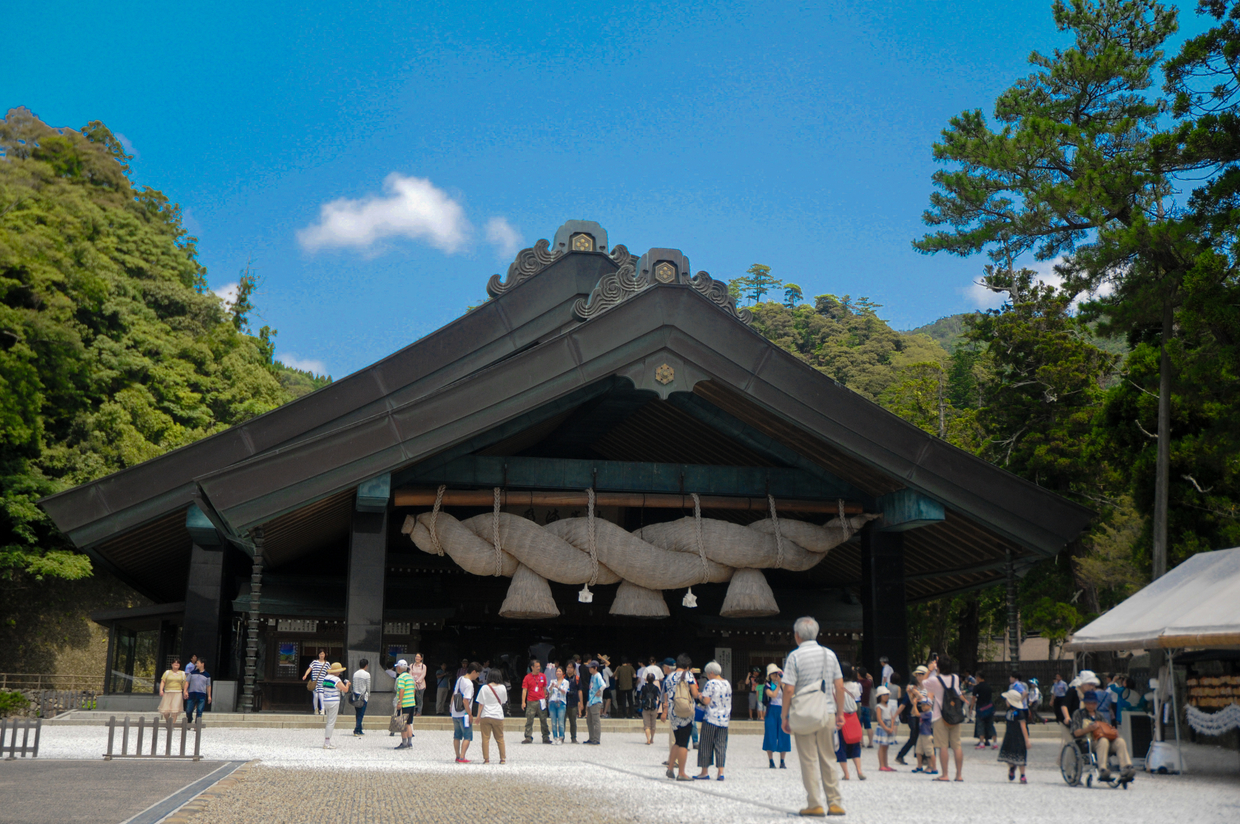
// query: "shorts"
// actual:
[[925, 745], [682, 736], [649, 717], [946, 735], [863, 715], [460, 732], [408, 713], [753, 700]]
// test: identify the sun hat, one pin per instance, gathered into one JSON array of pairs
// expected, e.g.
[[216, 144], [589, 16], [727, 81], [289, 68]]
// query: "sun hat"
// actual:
[[881, 691], [1014, 698], [335, 668], [1033, 681], [604, 659], [920, 671], [771, 668], [402, 663]]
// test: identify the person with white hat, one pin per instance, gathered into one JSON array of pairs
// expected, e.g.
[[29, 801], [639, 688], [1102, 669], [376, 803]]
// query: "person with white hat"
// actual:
[[1086, 721], [331, 687], [775, 740], [406, 698], [915, 694], [1015, 749], [888, 726]]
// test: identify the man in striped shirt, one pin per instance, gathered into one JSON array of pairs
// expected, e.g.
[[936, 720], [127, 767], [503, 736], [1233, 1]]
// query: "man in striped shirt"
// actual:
[[806, 667], [406, 696]]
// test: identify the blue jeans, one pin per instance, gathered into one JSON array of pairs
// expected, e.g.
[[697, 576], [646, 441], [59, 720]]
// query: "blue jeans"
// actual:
[[361, 713], [557, 719], [195, 700]]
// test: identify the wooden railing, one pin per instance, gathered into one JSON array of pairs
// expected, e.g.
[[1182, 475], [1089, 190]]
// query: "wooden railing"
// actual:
[[49, 681], [141, 727], [9, 727]]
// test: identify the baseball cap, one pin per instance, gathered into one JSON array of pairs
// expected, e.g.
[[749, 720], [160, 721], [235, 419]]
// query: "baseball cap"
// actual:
[[668, 662], [402, 663]]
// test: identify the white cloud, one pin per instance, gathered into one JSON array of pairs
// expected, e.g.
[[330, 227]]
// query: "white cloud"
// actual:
[[127, 145], [305, 364], [504, 237], [227, 293], [983, 298], [409, 207]]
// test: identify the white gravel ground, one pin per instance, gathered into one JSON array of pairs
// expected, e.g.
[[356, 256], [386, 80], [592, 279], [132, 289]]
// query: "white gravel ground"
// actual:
[[625, 776]]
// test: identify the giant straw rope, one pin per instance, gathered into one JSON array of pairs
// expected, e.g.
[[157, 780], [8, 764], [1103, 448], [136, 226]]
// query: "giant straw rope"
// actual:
[[594, 551]]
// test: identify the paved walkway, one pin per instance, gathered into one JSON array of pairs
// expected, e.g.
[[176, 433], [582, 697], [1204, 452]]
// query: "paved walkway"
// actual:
[[44, 791], [623, 781]]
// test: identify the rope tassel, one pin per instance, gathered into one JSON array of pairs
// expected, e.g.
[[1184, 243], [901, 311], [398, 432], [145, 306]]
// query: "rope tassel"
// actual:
[[586, 596]]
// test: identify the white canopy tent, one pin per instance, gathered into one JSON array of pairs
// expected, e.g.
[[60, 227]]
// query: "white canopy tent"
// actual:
[[1197, 604]]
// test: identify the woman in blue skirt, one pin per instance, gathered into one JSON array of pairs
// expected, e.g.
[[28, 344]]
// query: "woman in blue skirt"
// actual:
[[775, 740]]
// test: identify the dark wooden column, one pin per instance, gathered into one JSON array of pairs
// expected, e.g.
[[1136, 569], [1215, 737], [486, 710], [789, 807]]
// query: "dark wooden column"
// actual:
[[367, 573], [204, 605], [883, 610]]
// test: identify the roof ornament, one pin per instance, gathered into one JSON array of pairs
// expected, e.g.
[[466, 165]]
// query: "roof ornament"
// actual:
[[529, 262], [658, 266]]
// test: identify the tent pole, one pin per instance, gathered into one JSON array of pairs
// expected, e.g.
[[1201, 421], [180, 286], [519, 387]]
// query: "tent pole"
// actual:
[[1175, 710]]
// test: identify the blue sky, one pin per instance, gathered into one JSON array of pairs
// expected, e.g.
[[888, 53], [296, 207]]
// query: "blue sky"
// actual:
[[378, 162]]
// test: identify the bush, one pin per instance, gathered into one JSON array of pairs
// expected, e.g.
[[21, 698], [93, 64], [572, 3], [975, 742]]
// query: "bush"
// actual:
[[11, 702]]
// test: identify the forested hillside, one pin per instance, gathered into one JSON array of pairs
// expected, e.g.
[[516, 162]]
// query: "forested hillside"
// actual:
[[112, 349]]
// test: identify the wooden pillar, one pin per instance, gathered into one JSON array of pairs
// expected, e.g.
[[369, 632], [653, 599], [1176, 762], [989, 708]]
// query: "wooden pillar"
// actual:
[[204, 605], [1013, 613], [251, 641], [364, 604], [883, 611]]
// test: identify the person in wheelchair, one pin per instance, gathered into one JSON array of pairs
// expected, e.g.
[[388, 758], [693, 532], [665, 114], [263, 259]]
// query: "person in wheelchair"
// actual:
[[1087, 722]]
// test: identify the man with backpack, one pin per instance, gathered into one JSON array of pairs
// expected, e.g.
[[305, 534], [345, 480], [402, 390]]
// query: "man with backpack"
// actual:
[[946, 712]]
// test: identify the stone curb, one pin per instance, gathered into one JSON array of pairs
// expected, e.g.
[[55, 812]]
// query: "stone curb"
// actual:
[[186, 812]]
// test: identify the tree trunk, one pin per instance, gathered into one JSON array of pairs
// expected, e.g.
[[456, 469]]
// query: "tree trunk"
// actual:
[[1013, 616], [970, 622], [1163, 471]]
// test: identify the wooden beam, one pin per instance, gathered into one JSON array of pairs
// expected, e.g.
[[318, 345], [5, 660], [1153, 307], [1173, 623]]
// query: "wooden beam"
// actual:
[[472, 471], [522, 498], [907, 509]]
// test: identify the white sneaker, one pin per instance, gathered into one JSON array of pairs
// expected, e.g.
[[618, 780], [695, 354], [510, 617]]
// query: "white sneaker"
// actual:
[[329, 746]]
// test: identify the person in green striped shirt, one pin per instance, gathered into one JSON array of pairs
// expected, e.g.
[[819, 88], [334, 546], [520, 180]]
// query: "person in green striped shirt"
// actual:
[[406, 693]]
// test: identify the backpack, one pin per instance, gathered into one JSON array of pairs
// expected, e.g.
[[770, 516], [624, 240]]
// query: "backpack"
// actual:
[[682, 702], [650, 697], [953, 704]]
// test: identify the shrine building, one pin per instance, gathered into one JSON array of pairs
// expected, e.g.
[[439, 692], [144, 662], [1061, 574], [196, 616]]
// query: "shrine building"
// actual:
[[603, 457]]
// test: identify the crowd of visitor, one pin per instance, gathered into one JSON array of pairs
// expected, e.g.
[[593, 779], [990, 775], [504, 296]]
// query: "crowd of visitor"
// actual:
[[934, 703]]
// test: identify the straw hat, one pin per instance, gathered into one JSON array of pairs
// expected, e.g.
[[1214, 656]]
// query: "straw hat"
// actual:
[[1014, 698], [773, 668], [606, 660], [335, 668]]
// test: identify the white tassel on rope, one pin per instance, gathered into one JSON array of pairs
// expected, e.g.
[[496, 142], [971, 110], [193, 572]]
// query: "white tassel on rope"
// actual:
[[586, 596], [690, 600]]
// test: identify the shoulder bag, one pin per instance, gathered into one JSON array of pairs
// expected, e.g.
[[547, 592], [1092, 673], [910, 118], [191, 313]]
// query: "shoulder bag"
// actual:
[[503, 706], [1104, 730], [808, 713], [458, 698]]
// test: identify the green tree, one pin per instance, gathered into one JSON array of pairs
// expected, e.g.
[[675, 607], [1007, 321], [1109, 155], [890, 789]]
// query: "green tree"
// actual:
[[1072, 171], [117, 352], [756, 283], [792, 295]]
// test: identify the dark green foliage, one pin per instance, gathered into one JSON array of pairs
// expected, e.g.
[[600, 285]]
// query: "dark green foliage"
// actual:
[[848, 343], [121, 352]]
